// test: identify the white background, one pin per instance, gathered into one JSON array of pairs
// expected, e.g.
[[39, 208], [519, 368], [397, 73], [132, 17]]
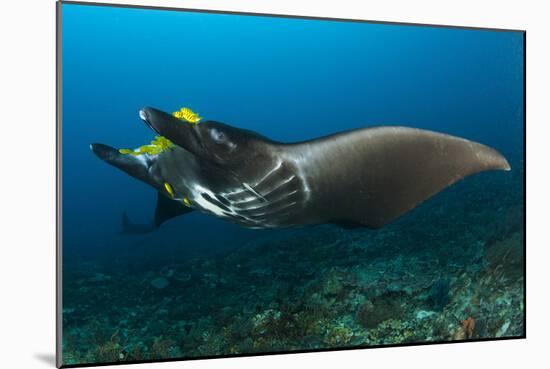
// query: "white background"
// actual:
[[27, 164]]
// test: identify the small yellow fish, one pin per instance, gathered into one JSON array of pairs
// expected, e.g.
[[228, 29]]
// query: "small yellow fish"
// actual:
[[187, 115], [159, 145], [169, 189], [186, 201]]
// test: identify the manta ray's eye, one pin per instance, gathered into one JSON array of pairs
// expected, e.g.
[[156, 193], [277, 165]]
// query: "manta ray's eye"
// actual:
[[219, 141], [217, 135]]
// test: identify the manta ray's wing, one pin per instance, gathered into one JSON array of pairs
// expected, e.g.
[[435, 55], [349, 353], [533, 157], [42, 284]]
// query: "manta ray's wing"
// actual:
[[372, 176]]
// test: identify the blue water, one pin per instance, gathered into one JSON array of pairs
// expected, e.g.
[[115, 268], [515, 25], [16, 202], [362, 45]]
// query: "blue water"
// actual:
[[288, 79]]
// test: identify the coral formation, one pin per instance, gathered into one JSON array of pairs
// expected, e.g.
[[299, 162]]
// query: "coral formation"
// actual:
[[439, 293]]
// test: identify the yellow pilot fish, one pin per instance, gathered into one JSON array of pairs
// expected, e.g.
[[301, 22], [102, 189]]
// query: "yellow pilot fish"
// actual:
[[169, 189], [187, 115], [159, 145]]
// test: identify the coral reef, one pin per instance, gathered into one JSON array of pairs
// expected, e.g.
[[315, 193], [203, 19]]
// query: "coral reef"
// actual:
[[440, 293], [453, 270]]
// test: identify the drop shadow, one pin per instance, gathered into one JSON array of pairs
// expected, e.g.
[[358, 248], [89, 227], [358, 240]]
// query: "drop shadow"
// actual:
[[46, 358]]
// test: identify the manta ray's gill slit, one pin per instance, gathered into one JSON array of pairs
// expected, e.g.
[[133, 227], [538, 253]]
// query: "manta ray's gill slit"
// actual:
[[247, 186], [234, 192], [239, 196], [280, 185], [223, 200], [271, 211], [276, 177], [206, 200], [214, 201], [240, 218], [240, 201], [279, 213], [269, 173], [270, 203], [252, 188], [202, 203]]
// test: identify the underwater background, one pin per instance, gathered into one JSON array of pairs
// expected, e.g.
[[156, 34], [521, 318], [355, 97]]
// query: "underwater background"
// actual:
[[451, 269]]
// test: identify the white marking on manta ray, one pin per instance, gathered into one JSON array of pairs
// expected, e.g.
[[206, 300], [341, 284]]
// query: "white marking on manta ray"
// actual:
[[270, 172], [232, 209], [208, 206], [235, 192], [252, 198], [299, 162], [145, 159], [244, 200], [281, 184], [198, 190], [266, 204], [247, 186]]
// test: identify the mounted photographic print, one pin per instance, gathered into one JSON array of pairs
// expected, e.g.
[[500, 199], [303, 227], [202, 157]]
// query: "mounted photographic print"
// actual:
[[238, 184]]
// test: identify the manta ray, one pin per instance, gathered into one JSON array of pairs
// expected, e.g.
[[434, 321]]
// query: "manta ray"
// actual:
[[359, 178]]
